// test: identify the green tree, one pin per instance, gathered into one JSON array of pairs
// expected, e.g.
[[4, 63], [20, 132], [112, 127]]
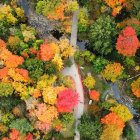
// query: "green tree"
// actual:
[[103, 35], [129, 133], [90, 128], [22, 125], [35, 67], [99, 64]]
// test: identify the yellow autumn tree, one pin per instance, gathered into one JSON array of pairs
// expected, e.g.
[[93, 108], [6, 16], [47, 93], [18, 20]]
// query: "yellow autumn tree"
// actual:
[[123, 112], [6, 13], [89, 82], [135, 87], [112, 71], [49, 95], [66, 50], [111, 132]]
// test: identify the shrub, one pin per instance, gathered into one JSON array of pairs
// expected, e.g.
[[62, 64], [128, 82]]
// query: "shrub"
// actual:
[[67, 122], [68, 82], [7, 103], [4, 30], [129, 133], [103, 35], [136, 104], [13, 42], [99, 64], [129, 62], [7, 118], [89, 82], [27, 32], [22, 125], [45, 81], [67, 119], [68, 62], [6, 89], [83, 2], [90, 128], [35, 67], [50, 68], [83, 20], [82, 57], [108, 104], [57, 60]]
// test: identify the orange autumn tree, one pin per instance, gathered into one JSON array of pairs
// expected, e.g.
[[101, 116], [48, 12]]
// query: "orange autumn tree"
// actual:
[[16, 135], [47, 51], [94, 95], [127, 42], [112, 71], [3, 73], [2, 44], [113, 119], [58, 12], [54, 9], [13, 61], [116, 5], [9, 60], [135, 87]]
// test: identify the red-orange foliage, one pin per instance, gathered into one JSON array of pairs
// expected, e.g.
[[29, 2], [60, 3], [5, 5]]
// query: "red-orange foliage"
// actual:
[[114, 119], [127, 42], [58, 13], [14, 134], [67, 100], [3, 72], [94, 95], [24, 54], [13, 61], [2, 44], [116, 5], [23, 73], [36, 93], [5, 138], [33, 51], [4, 54], [46, 52], [29, 136]]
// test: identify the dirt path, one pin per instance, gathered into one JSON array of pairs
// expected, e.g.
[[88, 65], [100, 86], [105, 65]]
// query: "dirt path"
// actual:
[[74, 73]]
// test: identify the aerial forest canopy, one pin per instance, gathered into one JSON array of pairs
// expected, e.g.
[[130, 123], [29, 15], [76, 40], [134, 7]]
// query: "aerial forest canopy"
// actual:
[[52, 89]]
